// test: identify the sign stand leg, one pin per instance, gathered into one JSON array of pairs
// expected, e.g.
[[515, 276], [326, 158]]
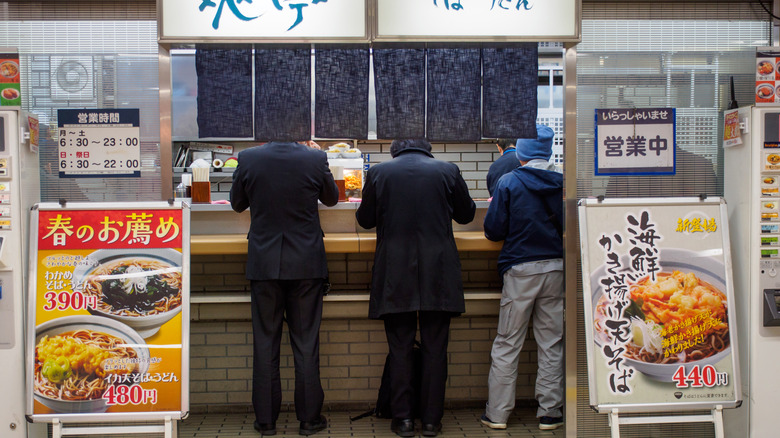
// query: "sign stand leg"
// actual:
[[168, 428], [56, 428], [614, 423], [715, 417]]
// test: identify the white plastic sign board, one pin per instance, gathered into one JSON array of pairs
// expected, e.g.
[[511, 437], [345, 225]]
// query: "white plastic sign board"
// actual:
[[231, 20], [478, 19], [635, 141], [657, 285]]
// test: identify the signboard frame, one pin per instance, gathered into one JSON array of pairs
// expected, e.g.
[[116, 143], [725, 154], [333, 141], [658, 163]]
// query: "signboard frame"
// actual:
[[717, 255], [32, 290], [371, 29], [490, 32], [165, 36]]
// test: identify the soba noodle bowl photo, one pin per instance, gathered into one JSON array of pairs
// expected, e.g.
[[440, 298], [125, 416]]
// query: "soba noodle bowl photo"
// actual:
[[75, 365], [135, 286], [676, 318]]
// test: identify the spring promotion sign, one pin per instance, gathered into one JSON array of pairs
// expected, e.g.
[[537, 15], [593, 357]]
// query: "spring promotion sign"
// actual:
[[109, 310]]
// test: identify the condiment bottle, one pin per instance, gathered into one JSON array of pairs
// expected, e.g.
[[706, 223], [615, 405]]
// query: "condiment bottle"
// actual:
[[338, 175]]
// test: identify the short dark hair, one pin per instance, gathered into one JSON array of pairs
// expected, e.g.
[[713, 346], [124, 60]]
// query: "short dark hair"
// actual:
[[399, 145], [504, 143]]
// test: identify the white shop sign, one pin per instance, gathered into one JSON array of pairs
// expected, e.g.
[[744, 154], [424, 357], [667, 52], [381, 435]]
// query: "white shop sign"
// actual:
[[99, 142], [267, 19], [478, 19]]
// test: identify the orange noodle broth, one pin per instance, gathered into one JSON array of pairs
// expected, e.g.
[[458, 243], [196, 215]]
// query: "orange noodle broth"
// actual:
[[74, 365], [135, 286], [673, 303]]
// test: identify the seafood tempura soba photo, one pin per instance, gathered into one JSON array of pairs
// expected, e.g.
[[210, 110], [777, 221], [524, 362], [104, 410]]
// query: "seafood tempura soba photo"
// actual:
[[675, 318]]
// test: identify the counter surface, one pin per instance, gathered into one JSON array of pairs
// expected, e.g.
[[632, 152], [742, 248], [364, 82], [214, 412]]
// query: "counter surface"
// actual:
[[363, 242], [217, 229]]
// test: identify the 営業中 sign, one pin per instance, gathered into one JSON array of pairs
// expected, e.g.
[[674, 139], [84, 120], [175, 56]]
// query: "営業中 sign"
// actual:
[[635, 141], [99, 142]]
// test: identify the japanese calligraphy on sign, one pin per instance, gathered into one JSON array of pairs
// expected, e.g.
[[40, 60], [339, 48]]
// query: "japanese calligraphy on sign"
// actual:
[[657, 285], [109, 311], [272, 19], [99, 142], [475, 19], [638, 141]]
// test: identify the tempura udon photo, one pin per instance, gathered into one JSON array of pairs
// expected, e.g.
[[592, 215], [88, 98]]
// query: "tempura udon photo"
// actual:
[[74, 365], [676, 309]]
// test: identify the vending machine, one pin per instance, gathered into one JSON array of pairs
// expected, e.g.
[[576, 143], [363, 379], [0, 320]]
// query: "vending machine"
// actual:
[[19, 190], [752, 192]]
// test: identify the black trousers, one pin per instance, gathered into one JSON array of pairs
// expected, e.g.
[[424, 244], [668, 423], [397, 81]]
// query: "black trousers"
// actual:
[[301, 302], [401, 329]]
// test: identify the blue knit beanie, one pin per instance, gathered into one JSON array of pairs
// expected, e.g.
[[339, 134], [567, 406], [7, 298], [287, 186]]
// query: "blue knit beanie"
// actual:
[[536, 148]]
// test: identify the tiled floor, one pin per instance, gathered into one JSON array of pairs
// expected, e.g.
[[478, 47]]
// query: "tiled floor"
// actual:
[[456, 423]]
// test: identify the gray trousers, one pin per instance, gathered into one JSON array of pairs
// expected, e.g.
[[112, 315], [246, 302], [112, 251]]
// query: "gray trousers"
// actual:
[[529, 289]]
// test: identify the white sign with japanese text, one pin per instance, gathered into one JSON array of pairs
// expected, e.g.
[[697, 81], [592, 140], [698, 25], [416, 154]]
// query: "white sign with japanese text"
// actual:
[[187, 20], [478, 19], [635, 141], [99, 142], [658, 304]]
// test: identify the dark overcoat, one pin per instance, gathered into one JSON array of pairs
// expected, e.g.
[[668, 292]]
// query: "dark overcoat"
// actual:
[[281, 183], [412, 201]]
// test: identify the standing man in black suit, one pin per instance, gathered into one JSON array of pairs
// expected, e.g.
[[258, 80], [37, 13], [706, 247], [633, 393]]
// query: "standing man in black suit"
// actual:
[[280, 183], [412, 201]]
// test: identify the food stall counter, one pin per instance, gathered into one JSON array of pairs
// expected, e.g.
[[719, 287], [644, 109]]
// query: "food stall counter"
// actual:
[[363, 242]]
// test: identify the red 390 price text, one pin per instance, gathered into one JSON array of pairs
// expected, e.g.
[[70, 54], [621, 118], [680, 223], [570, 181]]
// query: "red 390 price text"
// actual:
[[64, 300], [704, 377], [129, 395]]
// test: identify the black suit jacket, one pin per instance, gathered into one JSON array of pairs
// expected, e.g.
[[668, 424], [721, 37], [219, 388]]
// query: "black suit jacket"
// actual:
[[280, 183]]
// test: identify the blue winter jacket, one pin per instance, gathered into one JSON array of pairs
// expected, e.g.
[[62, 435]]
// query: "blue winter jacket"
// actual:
[[527, 214]]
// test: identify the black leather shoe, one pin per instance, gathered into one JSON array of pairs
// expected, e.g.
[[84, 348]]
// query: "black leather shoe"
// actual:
[[431, 429], [402, 427], [266, 428], [312, 427]]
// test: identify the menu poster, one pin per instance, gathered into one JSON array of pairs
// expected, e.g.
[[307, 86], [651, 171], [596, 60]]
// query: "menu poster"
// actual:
[[657, 290], [731, 131], [767, 76], [109, 319], [10, 91]]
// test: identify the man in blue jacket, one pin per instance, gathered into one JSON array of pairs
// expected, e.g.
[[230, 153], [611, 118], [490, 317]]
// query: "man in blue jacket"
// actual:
[[527, 214], [506, 163]]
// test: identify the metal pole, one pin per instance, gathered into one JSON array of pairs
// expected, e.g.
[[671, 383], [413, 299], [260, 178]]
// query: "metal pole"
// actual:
[[571, 234]]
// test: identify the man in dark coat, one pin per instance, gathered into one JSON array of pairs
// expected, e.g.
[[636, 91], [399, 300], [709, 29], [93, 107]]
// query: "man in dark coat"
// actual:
[[412, 200], [286, 266], [506, 163]]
